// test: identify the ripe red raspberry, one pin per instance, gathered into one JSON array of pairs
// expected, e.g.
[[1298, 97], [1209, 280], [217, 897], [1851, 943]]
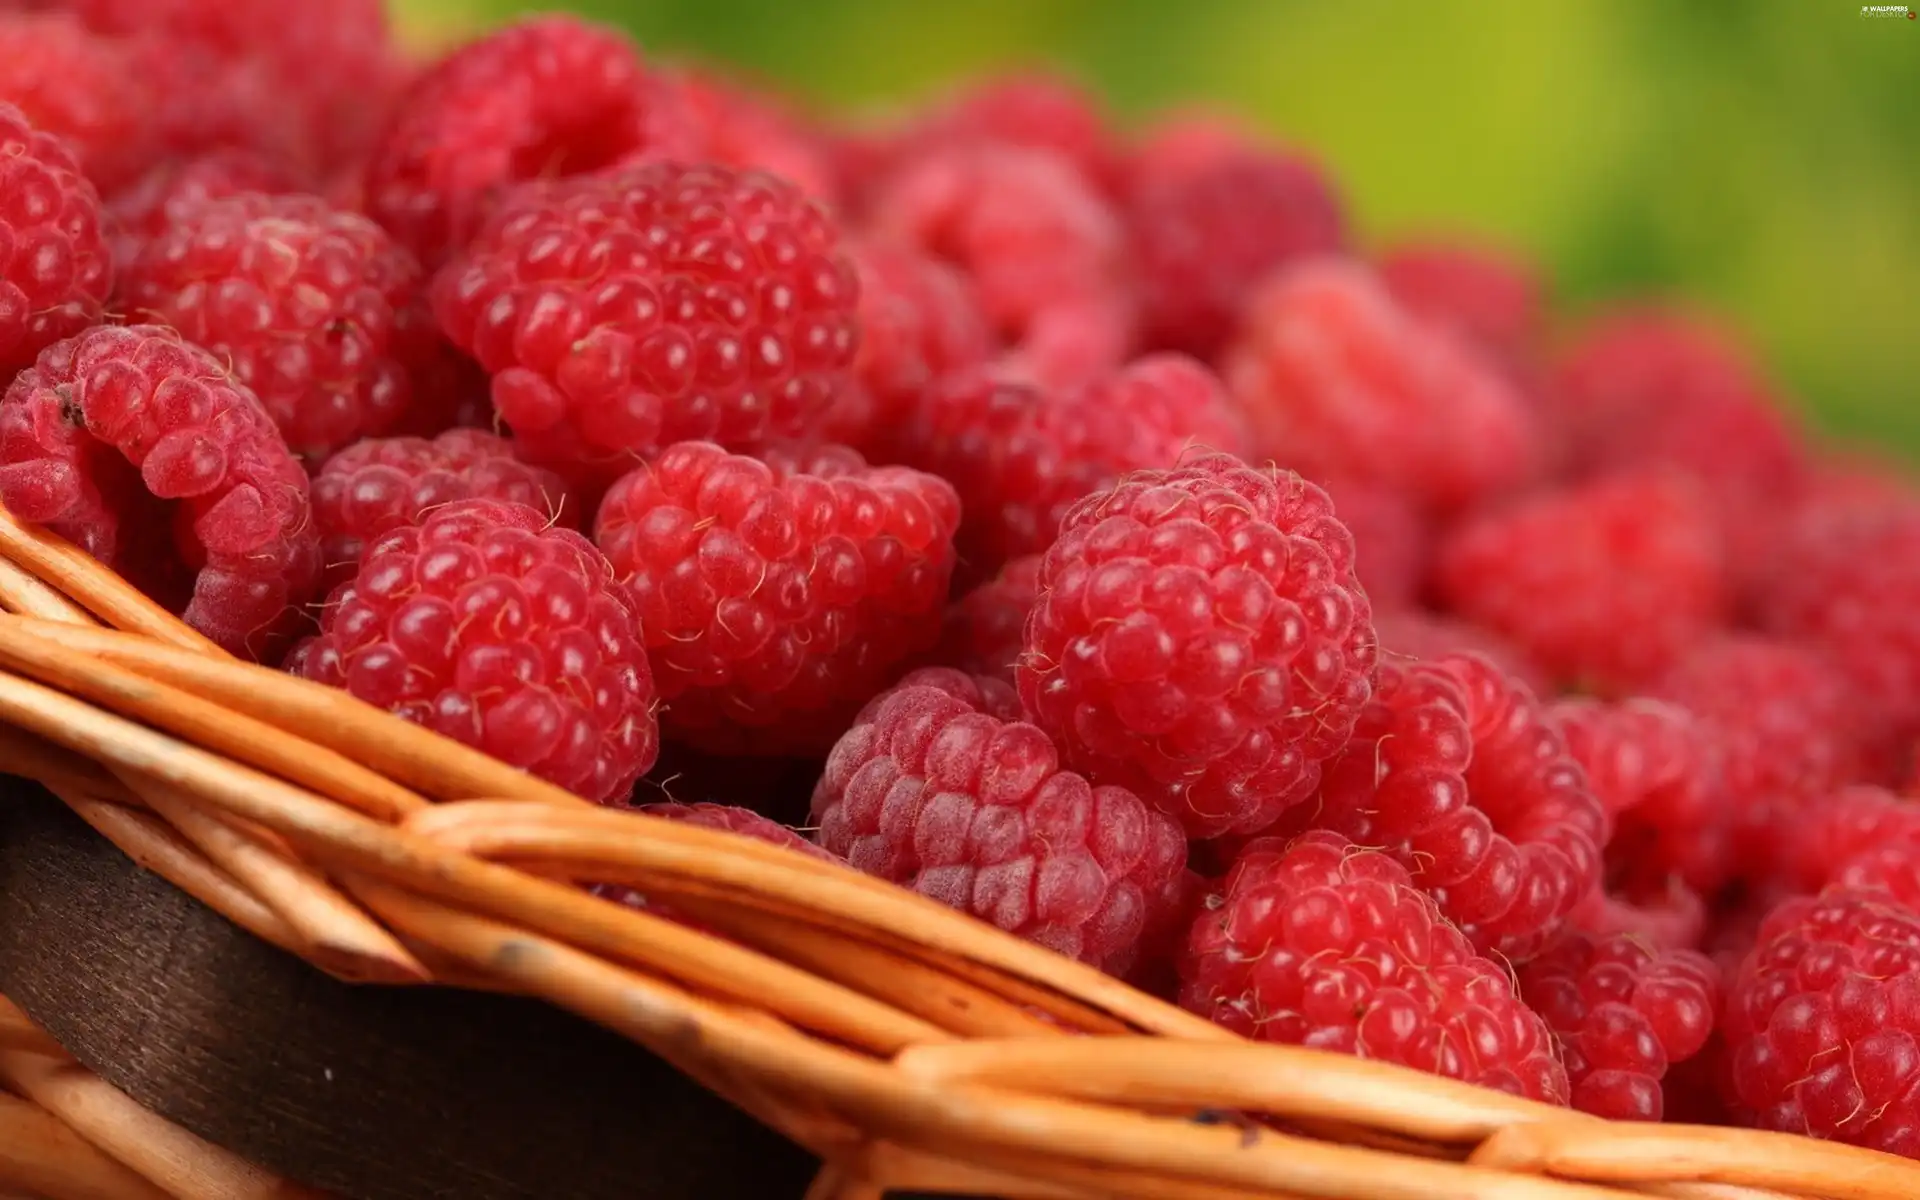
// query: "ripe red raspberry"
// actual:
[[381, 484], [1786, 723], [1416, 635], [1656, 769], [919, 322], [1338, 379], [777, 596], [1391, 536], [1623, 1014], [54, 270], [1836, 831], [743, 821], [737, 127], [1045, 253], [941, 788], [485, 624], [144, 451], [1605, 584], [317, 310], [73, 83], [1322, 943], [1207, 235], [1823, 1022], [1457, 772], [545, 98], [1487, 295], [1039, 112], [986, 629], [1664, 914], [1201, 640], [168, 194], [1183, 142], [1021, 454], [660, 303]]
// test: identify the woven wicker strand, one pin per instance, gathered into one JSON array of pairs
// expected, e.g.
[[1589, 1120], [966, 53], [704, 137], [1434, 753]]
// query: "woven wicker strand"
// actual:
[[907, 1045]]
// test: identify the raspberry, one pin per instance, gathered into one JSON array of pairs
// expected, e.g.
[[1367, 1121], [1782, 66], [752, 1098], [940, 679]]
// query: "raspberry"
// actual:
[[1038, 112], [1183, 143], [1457, 771], [1823, 1022], [544, 98], [1605, 584], [1785, 721], [1391, 538], [743, 821], [1201, 640], [1486, 295], [54, 270], [1337, 379], [1416, 635], [1045, 253], [1667, 914], [1021, 454], [739, 128], [482, 623], [919, 323], [987, 628], [81, 87], [143, 450], [169, 194], [1837, 831], [1321, 943], [376, 486], [777, 596], [1656, 769], [939, 788], [317, 311], [1623, 1014], [660, 303], [1207, 235]]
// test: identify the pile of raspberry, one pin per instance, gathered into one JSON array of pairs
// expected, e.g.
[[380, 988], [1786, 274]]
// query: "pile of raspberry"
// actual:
[[1090, 528]]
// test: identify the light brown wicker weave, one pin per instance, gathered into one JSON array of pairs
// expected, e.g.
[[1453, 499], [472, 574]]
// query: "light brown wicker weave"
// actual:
[[909, 1046]]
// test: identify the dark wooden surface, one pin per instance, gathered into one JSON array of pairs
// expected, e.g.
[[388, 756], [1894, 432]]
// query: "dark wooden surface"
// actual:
[[376, 1093]]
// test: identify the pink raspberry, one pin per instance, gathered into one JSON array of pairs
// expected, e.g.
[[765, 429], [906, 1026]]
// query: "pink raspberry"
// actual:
[[1183, 142], [54, 270], [1486, 295], [919, 323], [737, 127], [546, 98], [1045, 253], [1457, 772], [1392, 537], [986, 629], [1038, 112], [941, 788], [483, 623], [1416, 635], [1207, 235], [623, 312], [777, 596], [81, 87], [169, 194], [376, 486], [1605, 584], [1656, 769], [1623, 1015], [1021, 454], [1823, 1022], [317, 310], [1323, 943], [1201, 640], [742, 821], [1665, 914], [1339, 380], [144, 451]]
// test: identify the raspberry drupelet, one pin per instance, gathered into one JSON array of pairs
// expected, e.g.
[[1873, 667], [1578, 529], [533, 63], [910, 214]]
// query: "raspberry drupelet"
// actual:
[[380, 484], [168, 194], [1338, 379], [777, 595], [1321, 943], [1822, 1022], [1021, 454], [623, 312], [1837, 831], [1201, 640], [1487, 295], [148, 454], [317, 310], [54, 269], [986, 629], [487, 625], [1623, 1014], [81, 87], [940, 787], [545, 98], [1420, 635], [1457, 772]]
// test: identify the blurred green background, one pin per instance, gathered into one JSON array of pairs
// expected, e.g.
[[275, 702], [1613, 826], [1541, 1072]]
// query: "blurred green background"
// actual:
[[1760, 158]]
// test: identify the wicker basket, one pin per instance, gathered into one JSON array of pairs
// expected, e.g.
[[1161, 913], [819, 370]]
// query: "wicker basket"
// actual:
[[910, 1047]]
